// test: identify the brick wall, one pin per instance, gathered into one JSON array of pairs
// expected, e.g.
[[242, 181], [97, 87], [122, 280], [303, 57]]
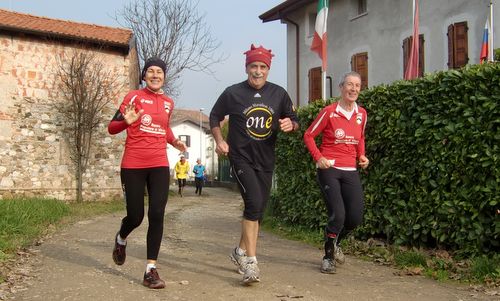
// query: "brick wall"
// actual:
[[34, 154]]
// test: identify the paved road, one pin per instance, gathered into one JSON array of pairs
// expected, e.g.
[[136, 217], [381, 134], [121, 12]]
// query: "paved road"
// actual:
[[75, 263]]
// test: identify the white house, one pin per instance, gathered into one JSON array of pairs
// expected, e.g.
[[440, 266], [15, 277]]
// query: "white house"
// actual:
[[372, 38], [192, 127]]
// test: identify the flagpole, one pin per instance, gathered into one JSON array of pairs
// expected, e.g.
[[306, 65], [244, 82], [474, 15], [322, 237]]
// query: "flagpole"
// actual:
[[324, 47], [412, 65], [323, 84], [413, 19], [492, 46]]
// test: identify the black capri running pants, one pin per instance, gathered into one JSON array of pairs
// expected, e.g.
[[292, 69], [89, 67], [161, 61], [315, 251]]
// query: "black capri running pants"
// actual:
[[255, 189], [181, 182], [343, 196], [156, 180]]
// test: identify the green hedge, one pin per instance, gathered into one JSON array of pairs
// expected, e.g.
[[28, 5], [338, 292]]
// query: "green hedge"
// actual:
[[297, 198], [434, 175]]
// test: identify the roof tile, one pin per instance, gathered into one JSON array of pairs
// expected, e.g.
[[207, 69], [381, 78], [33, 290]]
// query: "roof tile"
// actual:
[[69, 29], [181, 115]]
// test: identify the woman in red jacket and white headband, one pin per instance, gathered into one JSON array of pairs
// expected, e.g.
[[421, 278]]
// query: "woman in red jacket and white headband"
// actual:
[[342, 149]]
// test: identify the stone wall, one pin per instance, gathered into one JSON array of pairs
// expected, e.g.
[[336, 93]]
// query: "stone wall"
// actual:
[[34, 152]]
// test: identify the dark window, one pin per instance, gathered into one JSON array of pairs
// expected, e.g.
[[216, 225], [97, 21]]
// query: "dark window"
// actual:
[[314, 84], [458, 49], [406, 54], [359, 63], [186, 139], [361, 7]]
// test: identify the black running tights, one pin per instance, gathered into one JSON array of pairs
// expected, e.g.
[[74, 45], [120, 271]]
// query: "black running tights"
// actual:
[[343, 196], [156, 180]]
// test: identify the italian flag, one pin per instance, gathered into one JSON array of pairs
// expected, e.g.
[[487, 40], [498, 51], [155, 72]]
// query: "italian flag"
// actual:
[[319, 43]]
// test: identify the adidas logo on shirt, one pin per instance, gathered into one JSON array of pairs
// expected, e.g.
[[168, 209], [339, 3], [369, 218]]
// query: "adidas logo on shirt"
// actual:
[[257, 95]]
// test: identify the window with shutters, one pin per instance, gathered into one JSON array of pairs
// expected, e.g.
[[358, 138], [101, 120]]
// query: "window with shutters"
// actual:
[[186, 139], [458, 49], [359, 63], [314, 84], [357, 9], [421, 57]]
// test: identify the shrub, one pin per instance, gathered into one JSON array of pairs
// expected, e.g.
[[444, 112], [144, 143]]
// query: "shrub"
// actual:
[[434, 148]]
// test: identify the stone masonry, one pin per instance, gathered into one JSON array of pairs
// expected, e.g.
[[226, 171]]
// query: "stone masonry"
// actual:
[[34, 153]]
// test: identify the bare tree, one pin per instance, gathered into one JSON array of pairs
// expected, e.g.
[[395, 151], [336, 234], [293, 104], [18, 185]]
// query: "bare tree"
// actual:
[[87, 87], [174, 31]]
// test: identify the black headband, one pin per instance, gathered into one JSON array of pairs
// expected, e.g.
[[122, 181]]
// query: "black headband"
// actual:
[[154, 61]]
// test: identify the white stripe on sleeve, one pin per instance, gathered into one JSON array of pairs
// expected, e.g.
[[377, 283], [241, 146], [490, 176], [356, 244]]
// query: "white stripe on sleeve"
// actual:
[[132, 100], [319, 121]]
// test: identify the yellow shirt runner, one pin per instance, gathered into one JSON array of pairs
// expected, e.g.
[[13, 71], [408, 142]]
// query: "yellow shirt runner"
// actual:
[[181, 170]]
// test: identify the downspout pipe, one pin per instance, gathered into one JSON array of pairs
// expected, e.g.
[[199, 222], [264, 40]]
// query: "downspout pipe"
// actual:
[[297, 57]]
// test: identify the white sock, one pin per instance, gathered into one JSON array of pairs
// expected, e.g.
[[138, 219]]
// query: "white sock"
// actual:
[[120, 240], [150, 266], [252, 259], [240, 251]]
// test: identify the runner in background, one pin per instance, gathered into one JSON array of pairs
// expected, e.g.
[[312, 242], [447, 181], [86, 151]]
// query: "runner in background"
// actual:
[[199, 175], [181, 173]]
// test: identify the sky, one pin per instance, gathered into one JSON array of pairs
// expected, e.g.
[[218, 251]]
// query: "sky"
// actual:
[[234, 23]]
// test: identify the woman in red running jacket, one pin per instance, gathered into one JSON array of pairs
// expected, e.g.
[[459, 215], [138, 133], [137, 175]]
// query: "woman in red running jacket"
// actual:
[[145, 115], [342, 149]]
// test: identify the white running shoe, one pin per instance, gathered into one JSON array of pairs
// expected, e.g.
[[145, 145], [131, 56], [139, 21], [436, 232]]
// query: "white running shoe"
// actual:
[[251, 272], [328, 266], [339, 255], [238, 260]]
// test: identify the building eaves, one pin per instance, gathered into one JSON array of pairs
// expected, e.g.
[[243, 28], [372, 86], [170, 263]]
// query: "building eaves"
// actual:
[[280, 11], [180, 116], [62, 29]]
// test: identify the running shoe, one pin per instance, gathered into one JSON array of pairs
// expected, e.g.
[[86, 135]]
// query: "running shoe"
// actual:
[[238, 260], [251, 272], [339, 255], [119, 253], [152, 280], [328, 266]]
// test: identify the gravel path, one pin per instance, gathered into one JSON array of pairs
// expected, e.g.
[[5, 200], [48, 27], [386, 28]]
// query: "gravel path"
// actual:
[[75, 263]]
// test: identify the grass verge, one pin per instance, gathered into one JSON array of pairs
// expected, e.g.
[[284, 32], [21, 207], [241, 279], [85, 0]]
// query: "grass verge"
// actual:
[[437, 264], [21, 220], [24, 220]]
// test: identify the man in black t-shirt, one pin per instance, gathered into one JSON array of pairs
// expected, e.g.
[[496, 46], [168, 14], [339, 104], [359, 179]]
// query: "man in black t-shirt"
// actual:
[[257, 110]]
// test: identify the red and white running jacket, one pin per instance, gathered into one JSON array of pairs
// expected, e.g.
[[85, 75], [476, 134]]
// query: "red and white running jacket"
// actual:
[[343, 140], [147, 138]]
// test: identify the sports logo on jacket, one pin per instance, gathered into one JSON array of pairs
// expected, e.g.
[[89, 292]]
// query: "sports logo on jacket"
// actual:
[[359, 118], [339, 133], [147, 101], [259, 121], [147, 125], [146, 119], [167, 107]]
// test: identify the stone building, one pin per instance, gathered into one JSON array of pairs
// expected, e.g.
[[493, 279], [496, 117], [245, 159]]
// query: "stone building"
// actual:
[[34, 151]]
